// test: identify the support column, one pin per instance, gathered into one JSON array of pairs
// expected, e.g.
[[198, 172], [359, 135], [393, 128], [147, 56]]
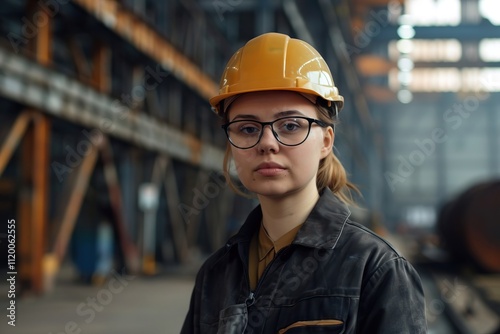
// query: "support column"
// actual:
[[40, 197], [25, 214], [34, 193]]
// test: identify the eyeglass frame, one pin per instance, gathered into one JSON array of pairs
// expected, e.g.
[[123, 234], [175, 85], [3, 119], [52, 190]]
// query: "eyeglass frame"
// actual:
[[263, 124]]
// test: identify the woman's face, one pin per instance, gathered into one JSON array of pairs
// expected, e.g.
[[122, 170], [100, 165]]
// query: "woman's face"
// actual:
[[271, 168]]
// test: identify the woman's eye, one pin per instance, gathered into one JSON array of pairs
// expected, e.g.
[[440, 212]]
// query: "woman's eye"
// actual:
[[249, 129], [289, 126]]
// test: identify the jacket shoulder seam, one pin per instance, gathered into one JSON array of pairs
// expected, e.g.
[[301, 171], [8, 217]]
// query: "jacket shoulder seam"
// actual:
[[364, 229]]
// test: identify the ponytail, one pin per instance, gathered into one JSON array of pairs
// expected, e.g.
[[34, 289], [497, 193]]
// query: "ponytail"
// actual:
[[331, 173]]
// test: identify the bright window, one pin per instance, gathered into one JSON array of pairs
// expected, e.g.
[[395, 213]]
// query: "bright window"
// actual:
[[434, 12], [421, 50], [449, 80], [489, 49], [490, 9]]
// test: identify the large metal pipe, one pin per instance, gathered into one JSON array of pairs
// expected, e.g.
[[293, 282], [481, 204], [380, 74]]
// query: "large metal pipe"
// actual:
[[469, 226]]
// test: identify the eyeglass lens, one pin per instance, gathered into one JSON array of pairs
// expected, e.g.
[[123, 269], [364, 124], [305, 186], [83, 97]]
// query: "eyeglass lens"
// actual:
[[288, 131]]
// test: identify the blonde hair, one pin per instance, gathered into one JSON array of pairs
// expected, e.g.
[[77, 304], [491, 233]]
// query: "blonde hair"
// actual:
[[331, 173]]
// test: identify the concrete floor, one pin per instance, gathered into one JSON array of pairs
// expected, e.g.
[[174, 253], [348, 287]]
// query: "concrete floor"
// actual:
[[119, 306]]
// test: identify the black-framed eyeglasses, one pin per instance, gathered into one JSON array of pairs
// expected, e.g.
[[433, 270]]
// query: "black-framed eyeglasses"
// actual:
[[289, 131]]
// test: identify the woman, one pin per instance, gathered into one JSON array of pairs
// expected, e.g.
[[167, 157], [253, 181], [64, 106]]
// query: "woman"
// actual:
[[298, 264]]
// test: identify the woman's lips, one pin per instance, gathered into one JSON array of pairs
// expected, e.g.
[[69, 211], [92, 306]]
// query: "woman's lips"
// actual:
[[270, 169]]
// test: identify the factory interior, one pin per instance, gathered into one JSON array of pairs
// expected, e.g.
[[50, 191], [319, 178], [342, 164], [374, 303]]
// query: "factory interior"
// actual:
[[112, 191]]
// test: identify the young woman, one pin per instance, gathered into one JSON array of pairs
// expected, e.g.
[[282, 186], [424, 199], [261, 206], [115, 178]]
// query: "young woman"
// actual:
[[298, 263]]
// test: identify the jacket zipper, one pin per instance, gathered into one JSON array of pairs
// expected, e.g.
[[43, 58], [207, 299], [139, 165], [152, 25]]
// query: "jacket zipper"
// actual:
[[251, 297]]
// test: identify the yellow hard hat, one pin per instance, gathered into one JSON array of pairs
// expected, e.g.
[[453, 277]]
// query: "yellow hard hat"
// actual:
[[275, 61]]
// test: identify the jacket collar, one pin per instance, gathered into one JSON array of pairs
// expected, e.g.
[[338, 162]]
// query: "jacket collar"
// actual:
[[321, 229], [325, 223]]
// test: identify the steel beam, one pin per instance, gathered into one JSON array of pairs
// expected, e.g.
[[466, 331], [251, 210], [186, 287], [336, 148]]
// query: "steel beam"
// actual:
[[178, 228], [33, 201], [34, 85], [128, 248], [219, 212], [146, 39], [35, 175], [82, 66], [164, 174], [40, 195], [101, 68], [13, 138], [150, 215], [234, 6], [25, 213], [337, 41], [194, 220], [361, 105], [70, 202], [43, 40], [463, 32], [370, 65]]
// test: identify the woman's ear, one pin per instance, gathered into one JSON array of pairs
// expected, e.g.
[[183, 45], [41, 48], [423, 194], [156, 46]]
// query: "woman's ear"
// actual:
[[328, 140]]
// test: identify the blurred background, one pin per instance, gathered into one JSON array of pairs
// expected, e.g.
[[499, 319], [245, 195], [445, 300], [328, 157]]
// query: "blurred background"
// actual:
[[111, 159]]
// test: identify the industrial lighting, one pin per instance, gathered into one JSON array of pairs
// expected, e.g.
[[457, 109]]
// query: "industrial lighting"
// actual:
[[434, 12], [405, 64], [406, 31], [405, 96], [405, 78], [405, 45], [488, 49], [405, 19], [438, 50]]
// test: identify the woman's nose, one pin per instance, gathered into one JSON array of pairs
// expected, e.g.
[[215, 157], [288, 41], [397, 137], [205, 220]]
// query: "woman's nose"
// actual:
[[268, 141]]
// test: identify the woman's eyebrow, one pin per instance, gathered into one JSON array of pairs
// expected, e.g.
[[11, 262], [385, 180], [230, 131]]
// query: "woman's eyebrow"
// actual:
[[245, 116], [277, 115], [288, 113]]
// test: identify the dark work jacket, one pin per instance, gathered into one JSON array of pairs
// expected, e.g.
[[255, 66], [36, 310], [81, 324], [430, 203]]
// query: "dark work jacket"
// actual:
[[335, 270]]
